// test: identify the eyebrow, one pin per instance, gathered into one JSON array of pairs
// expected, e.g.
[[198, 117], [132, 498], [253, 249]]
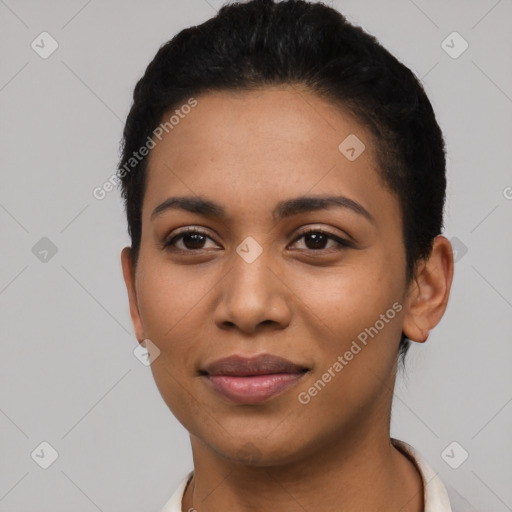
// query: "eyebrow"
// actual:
[[283, 209]]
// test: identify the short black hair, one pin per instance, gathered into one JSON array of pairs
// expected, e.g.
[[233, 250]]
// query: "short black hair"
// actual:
[[261, 43]]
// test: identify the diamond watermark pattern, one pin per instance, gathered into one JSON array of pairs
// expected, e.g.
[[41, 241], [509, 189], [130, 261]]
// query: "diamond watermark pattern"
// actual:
[[249, 453], [249, 249], [454, 455], [44, 45], [45, 455], [146, 352], [352, 147], [454, 45], [459, 248], [44, 250]]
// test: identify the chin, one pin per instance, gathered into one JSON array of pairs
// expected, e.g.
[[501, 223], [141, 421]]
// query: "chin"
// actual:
[[255, 452]]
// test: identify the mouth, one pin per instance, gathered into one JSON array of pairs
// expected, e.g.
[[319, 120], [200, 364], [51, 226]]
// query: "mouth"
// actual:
[[245, 380]]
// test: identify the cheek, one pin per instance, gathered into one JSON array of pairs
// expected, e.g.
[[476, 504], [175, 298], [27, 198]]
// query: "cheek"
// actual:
[[180, 395], [361, 307], [168, 296], [350, 298], [363, 314], [168, 300]]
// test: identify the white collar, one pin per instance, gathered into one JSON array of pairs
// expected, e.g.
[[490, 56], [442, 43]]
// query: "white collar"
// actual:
[[435, 495]]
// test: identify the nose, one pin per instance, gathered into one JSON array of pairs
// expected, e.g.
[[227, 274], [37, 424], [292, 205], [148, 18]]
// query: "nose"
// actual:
[[253, 297]]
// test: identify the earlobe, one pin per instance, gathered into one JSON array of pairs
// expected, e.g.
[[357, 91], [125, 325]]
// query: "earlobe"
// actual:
[[429, 291], [129, 279]]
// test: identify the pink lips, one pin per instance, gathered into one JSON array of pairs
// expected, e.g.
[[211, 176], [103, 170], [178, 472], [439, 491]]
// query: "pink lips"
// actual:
[[252, 380]]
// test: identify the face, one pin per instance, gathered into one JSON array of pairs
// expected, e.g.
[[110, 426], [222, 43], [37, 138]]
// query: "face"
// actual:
[[320, 285]]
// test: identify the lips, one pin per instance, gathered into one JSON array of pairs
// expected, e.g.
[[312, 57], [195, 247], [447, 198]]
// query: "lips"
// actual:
[[252, 380], [264, 364]]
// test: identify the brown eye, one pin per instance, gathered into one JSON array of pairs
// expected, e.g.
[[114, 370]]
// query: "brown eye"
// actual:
[[191, 240], [316, 239]]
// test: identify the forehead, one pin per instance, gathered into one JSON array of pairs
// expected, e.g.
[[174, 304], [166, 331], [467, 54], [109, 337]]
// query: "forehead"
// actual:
[[277, 141], [284, 118]]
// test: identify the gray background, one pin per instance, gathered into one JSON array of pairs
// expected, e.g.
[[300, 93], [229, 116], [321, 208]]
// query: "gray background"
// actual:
[[68, 375]]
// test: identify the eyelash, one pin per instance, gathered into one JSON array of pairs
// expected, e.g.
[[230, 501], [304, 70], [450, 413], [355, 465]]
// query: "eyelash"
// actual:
[[342, 243]]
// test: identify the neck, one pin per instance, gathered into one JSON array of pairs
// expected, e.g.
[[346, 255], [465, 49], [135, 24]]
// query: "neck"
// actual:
[[359, 472]]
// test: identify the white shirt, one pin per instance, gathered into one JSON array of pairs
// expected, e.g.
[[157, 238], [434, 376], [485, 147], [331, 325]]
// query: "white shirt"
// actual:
[[435, 495]]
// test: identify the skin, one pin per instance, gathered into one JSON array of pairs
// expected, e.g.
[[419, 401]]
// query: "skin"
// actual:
[[305, 302]]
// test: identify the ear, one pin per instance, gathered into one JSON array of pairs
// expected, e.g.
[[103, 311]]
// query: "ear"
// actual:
[[429, 291], [129, 279]]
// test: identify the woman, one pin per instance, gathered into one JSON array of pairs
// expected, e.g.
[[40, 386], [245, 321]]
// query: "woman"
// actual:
[[284, 183]]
